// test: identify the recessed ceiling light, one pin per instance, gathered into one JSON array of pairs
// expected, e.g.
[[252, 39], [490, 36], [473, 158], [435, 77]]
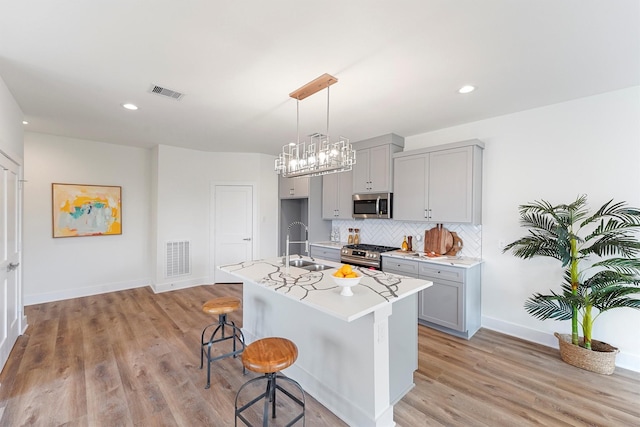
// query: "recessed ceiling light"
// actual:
[[466, 89], [24, 122], [130, 106]]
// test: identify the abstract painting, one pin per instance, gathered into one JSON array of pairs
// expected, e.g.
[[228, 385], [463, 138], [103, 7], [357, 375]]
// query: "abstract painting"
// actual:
[[86, 210]]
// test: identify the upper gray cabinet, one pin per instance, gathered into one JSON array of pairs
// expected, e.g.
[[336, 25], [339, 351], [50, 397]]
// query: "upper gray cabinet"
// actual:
[[294, 188], [373, 171], [439, 184], [336, 195]]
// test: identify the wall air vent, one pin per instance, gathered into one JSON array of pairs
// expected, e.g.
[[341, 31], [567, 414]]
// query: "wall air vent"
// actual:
[[178, 259], [158, 90]]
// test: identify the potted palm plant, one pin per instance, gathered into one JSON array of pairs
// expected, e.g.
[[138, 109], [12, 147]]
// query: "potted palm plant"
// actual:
[[573, 235]]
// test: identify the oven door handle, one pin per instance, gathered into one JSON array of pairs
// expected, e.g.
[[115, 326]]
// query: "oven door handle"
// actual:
[[359, 262]]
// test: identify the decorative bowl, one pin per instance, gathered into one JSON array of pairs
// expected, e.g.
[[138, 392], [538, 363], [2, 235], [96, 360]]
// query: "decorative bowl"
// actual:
[[346, 283]]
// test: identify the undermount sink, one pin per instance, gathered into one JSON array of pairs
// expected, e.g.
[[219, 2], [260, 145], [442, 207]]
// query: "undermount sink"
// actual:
[[307, 265], [316, 267], [300, 263]]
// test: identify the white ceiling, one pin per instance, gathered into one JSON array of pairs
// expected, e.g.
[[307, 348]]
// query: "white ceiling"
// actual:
[[70, 64]]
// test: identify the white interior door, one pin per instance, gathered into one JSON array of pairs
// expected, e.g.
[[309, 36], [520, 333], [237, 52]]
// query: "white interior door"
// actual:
[[233, 227], [10, 280]]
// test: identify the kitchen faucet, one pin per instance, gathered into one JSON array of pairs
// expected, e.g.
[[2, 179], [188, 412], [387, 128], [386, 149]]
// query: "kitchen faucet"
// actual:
[[305, 241]]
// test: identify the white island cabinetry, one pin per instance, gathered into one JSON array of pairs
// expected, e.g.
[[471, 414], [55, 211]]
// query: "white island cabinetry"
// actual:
[[357, 354]]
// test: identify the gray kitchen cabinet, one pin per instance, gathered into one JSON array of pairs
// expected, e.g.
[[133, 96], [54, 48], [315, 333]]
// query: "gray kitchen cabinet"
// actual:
[[337, 190], [323, 252], [453, 303], [373, 171], [403, 267], [439, 184], [410, 195], [294, 188]]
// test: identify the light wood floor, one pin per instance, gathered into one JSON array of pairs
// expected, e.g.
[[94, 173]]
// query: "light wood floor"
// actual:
[[131, 358]]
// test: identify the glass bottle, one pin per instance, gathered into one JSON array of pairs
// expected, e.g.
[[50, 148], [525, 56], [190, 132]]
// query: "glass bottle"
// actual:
[[405, 245], [356, 237], [350, 238]]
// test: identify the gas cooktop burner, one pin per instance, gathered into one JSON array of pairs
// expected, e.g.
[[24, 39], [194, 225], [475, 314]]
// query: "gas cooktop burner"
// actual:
[[371, 248]]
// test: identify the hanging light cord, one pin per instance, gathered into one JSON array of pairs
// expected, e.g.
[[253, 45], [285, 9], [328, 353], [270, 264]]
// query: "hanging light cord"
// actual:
[[327, 113], [298, 119]]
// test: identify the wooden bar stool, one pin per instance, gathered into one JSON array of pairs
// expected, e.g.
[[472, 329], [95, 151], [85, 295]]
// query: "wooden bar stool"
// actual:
[[269, 356], [221, 306]]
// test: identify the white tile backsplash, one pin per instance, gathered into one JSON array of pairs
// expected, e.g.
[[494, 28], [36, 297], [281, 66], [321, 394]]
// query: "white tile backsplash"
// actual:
[[389, 232]]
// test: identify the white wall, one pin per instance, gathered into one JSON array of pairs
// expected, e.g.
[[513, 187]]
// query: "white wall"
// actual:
[[11, 128], [63, 268], [182, 208], [587, 146], [165, 194]]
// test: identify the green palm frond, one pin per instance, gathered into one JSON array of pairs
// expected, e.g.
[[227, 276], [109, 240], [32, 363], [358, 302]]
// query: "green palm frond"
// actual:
[[538, 221], [546, 307], [534, 245], [629, 266], [619, 210], [605, 279], [615, 297], [612, 244]]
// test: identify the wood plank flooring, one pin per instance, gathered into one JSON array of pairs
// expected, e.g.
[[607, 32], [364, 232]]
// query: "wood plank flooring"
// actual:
[[131, 358]]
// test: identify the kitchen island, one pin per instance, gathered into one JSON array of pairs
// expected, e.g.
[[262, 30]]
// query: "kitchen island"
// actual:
[[357, 354]]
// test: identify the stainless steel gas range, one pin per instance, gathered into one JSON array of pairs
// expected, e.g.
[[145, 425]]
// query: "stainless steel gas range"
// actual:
[[364, 255]]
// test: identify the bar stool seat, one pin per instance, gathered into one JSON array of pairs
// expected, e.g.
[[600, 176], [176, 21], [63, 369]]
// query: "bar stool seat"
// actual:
[[269, 356], [221, 306]]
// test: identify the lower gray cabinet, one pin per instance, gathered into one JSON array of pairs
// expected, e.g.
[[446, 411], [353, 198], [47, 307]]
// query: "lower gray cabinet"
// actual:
[[452, 304], [402, 267], [323, 252]]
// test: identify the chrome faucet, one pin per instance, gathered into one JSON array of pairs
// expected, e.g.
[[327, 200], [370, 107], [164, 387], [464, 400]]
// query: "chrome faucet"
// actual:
[[305, 241]]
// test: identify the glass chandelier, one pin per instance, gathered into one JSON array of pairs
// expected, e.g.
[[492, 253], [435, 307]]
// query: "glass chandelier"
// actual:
[[320, 156]]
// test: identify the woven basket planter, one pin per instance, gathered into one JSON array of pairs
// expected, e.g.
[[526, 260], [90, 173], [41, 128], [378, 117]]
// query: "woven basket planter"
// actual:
[[600, 359]]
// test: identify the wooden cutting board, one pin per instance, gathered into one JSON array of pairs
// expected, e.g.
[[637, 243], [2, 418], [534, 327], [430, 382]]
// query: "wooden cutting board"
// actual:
[[438, 240], [457, 244]]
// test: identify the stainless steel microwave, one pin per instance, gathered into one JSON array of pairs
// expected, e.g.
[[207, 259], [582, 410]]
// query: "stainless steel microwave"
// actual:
[[374, 205]]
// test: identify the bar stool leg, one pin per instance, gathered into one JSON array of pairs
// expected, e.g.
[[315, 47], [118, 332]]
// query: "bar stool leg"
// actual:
[[270, 396], [236, 336]]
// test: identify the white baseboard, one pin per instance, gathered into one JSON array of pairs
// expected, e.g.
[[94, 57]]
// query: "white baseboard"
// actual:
[[623, 360], [83, 292], [179, 284]]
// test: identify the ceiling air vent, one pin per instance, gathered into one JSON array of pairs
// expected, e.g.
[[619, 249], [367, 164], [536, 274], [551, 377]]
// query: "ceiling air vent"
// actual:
[[158, 90]]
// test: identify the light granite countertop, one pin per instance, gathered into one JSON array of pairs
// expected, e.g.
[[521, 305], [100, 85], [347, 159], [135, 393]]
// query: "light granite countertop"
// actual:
[[318, 290], [463, 262]]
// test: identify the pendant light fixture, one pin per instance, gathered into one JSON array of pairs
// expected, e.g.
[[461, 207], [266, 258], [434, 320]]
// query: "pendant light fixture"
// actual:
[[319, 156]]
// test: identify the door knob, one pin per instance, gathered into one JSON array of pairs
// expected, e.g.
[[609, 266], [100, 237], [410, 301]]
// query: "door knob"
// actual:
[[12, 266], [247, 239]]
